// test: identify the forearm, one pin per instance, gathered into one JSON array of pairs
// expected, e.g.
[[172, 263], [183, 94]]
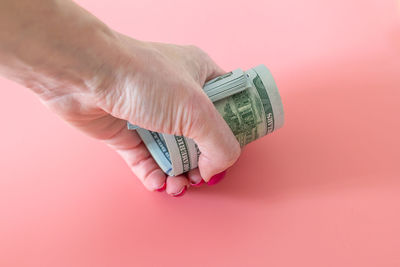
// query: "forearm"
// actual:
[[47, 44]]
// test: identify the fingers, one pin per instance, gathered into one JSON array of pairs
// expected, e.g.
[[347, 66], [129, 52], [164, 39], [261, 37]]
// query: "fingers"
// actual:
[[146, 169], [195, 177], [177, 185], [129, 145], [214, 71], [205, 67]]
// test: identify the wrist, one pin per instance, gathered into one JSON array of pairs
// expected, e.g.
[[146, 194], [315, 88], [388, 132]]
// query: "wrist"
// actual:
[[57, 46]]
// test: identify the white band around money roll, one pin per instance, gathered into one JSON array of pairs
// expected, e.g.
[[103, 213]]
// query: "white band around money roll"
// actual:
[[248, 101]]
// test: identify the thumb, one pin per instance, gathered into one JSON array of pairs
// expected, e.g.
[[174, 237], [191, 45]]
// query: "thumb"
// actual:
[[217, 144]]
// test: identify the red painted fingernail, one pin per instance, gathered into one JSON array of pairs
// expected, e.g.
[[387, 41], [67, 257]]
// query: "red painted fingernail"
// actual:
[[181, 193], [216, 178], [198, 184], [162, 188]]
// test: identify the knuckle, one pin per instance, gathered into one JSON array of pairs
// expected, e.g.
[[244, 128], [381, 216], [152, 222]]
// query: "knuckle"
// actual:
[[194, 48], [198, 51], [231, 158], [231, 153], [235, 152]]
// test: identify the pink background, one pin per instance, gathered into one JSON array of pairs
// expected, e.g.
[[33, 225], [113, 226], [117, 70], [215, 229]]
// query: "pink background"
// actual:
[[322, 191]]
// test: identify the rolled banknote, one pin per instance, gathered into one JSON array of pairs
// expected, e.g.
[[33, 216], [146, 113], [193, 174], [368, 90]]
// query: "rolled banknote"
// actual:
[[248, 101]]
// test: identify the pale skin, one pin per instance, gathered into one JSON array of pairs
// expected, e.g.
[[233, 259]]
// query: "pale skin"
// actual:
[[96, 79]]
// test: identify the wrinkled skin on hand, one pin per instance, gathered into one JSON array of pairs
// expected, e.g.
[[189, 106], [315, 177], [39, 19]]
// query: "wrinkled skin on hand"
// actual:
[[158, 87]]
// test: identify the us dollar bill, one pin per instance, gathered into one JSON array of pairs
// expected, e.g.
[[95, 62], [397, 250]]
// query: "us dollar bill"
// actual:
[[249, 102]]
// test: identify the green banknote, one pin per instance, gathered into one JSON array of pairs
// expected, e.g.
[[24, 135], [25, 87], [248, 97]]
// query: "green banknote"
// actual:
[[248, 101]]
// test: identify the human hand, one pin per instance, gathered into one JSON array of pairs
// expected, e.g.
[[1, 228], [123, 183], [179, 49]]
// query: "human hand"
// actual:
[[161, 92], [97, 79]]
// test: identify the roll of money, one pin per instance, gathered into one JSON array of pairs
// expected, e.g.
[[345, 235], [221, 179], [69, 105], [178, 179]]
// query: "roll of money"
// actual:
[[248, 101]]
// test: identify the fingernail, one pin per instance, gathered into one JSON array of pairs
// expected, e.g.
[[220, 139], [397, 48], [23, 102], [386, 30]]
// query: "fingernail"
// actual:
[[180, 193], [198, 184], [216, 178], [162, 188]]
